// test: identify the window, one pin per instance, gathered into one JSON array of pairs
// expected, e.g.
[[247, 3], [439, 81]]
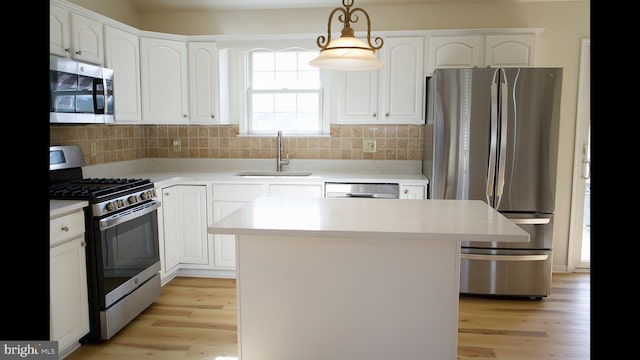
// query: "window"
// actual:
[[284, 93]]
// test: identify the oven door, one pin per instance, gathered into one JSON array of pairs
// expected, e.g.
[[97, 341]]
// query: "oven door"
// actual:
[[127, 252]]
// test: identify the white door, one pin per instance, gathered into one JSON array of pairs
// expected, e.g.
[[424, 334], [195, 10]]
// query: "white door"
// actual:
[[580, 232]]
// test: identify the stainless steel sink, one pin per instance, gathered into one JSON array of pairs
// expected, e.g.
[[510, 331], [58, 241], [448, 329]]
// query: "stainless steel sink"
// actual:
[[267, 173]]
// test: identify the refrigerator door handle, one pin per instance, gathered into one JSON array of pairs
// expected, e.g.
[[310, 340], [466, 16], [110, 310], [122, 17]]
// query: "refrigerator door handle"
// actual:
[[493, 144], [542, 257], [504, 124], [531, 221]]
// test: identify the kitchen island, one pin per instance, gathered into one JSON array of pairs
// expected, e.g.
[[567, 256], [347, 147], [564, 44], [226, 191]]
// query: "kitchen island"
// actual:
[[354, 278]]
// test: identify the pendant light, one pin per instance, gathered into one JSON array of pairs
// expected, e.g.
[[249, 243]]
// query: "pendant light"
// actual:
[[347, 52]]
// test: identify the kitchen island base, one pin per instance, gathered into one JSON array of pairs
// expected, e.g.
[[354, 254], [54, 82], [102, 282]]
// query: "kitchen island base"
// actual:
[[344, 298], [349, 278]]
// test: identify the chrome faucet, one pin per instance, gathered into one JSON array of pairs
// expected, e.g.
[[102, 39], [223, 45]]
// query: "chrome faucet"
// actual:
[[279, 161]]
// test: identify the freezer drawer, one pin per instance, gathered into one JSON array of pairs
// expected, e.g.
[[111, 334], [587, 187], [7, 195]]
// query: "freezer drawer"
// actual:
[[506, 272], [539, 227]]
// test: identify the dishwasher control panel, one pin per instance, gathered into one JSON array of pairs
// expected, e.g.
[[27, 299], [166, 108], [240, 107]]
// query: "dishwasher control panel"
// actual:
[[361, 190]]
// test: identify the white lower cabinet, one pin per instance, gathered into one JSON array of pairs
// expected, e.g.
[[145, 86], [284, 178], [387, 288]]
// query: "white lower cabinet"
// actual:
[[69, 302], [227, 198], [412, 191], [184, 228]]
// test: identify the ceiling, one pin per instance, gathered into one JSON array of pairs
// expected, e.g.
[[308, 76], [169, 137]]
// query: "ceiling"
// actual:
[[190, 5]]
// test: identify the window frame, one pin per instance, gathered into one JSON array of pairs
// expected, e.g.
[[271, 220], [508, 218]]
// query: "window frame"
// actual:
[[245, 103]]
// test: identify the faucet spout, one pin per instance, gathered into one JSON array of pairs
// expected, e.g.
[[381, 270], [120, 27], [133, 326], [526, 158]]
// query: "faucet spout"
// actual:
[[279, 161]]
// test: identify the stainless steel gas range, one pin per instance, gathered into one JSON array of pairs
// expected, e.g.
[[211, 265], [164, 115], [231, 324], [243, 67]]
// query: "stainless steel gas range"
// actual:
[[123, 260]]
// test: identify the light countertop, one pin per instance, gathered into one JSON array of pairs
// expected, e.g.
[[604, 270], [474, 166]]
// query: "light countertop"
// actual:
[[59, 208], [164, 172], [459, 220]]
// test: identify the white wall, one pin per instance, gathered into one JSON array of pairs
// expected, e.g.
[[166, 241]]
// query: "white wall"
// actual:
[[565, 23]]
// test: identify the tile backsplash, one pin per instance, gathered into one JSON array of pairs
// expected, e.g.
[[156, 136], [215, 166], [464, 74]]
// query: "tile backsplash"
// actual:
[[129, 142]]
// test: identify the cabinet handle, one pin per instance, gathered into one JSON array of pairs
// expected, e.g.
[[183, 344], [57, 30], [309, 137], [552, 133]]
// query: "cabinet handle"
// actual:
[[406, 191], [67, 49], [386, 115], [375, 115], [65, 228], [213, 116], [79, 52], [184, 116], [166, 194]]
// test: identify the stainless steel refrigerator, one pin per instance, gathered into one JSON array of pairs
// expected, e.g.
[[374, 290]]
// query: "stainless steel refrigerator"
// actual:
[[495, 139]]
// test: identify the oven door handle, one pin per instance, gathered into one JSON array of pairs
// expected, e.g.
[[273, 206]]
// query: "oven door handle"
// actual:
[[128, 215]]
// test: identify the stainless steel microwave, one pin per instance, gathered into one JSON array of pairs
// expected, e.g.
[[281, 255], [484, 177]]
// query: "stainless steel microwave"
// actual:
[[80, 93]]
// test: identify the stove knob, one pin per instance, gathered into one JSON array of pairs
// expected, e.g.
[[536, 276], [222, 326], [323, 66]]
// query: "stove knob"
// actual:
[[111, 206], [144, 196], [120, 203], [132, 199]]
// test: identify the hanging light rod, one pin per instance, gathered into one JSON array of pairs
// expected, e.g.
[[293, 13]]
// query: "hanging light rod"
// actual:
[[347, 52]]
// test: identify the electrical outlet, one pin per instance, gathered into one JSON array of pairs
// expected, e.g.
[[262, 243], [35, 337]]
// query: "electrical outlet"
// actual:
[[94, 150], [176, 145], [368, 145]]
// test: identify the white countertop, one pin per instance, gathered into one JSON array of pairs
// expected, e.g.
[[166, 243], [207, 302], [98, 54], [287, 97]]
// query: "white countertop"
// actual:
[[163, 172], [59, 208], [459, 220]]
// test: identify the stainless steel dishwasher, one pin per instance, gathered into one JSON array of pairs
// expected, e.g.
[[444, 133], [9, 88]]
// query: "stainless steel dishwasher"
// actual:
[[361, 190]]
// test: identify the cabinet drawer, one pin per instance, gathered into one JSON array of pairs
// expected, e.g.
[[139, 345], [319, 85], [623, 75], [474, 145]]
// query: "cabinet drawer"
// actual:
[[66, 228], [237, 192]]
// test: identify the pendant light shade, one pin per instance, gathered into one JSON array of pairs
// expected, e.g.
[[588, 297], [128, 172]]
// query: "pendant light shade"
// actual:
[[347, 52]]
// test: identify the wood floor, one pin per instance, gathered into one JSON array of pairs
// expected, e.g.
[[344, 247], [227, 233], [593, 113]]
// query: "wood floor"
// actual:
[[195, 318]]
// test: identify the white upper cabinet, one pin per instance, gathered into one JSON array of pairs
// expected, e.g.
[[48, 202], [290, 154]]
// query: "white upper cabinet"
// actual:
[[455, 52], [392, 95], [122, 54], [510, 50], [75, 36], [203, 83], [164, 81]]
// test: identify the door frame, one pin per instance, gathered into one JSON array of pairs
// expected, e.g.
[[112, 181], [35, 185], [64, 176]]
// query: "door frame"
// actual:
[[583, 120]]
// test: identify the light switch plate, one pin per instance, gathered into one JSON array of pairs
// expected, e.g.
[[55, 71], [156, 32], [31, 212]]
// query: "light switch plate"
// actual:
[[176, 145]]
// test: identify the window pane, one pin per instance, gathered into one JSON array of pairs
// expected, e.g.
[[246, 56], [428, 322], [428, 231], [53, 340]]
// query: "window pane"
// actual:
[[285, 102], [262, 121], [286, 80], [284, 92], [286, 61], [263, 61], [263, 80], [308, 103], [309, 80], [262, 103]]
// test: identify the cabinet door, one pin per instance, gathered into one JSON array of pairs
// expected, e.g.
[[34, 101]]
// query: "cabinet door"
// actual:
[[59, 31], [163, 72], [192, 218], [122, 54], [203, 82], [169, 232], [356, 96], [228, 198], [455, 52], [185, 225], [224, 245], [510, 50], [402, 81], [87, 39], [69, 302]]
